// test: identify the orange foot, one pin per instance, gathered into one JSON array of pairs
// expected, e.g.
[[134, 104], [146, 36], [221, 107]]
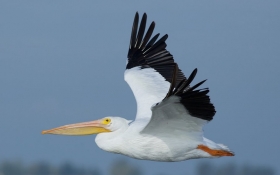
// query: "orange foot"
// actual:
[[214, 152]]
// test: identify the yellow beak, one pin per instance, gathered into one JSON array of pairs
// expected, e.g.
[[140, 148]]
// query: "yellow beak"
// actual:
[[85, 128]]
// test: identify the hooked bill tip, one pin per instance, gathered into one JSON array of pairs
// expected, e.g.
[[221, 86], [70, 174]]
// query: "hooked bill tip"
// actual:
[[44, 132]]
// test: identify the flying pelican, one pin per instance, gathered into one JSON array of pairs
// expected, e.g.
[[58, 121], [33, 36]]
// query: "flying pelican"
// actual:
[[170, 112]]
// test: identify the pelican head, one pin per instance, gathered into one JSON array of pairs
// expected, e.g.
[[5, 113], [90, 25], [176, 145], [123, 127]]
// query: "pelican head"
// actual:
[[104, 125]]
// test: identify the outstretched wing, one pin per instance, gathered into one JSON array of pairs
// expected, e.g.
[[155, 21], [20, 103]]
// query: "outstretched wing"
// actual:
[[184, 111], [150, 67]]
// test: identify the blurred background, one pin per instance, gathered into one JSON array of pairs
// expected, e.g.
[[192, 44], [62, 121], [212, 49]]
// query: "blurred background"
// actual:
[[62, 62]]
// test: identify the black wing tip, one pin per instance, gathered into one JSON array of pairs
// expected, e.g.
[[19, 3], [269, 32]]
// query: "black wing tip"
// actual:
[[136, 17], [147, 51], [141, 42], [144, 15], [196, 101], [137, 13]]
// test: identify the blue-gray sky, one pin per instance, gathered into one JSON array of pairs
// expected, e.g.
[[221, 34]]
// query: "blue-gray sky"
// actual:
[[63, 61]]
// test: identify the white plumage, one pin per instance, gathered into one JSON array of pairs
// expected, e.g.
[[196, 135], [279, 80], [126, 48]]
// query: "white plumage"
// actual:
[[170, 112], [148, 87]]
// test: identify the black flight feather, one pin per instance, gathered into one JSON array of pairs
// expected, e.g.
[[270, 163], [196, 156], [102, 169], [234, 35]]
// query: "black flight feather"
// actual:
[[147, 52], [196, 101]]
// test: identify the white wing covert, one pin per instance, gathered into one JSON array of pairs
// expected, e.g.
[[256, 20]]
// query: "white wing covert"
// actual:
[[150, 67]]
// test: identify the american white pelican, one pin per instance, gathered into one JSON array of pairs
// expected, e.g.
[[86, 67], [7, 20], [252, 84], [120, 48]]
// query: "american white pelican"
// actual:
[[170, 112]]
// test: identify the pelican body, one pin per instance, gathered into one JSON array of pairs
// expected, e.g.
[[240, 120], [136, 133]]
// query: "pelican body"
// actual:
[[170, 112]]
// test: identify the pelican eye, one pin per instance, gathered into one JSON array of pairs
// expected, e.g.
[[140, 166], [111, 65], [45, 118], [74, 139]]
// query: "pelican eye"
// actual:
[[106, 121]]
